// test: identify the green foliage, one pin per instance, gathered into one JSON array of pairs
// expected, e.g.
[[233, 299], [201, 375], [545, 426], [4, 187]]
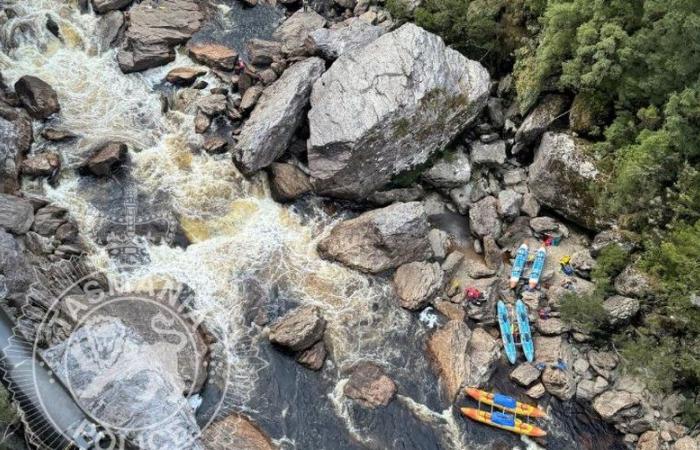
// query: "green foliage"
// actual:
[[610, 262], [690, 413], [585, 312], [399, 11]]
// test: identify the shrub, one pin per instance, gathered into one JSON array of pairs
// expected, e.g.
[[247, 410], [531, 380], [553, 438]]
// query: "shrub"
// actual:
[[585, 312]]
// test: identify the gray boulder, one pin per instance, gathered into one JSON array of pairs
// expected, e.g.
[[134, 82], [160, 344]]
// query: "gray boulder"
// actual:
[[509, 203], [620, 309], [278, 113], [299, 329], [37, 96], [288, 182], [588, 389], [525, 374], [538, 120], [483, 218], [103, 6], [393, 113], [417, 283], [559, 383], [331, 43], [633, 282], [563, 175], [449, 172], [613, 405], [294, 31], [109, 30], [16, 214], [16, 274], [380, 239], [15, 140], [491, 154], [155, 28]]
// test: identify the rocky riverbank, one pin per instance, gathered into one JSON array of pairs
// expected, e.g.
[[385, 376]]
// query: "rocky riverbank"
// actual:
[[402, 174]]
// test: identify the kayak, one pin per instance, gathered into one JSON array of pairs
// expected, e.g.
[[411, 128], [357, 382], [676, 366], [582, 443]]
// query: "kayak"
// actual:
[[518, 265], [525, 333], [506, 332], [537, 267], [505, 402], [504, 421]]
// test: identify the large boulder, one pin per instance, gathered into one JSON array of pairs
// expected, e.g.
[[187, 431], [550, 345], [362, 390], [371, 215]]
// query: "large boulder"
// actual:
[[331, 43], [538, 120], [155, 28], [214, 55], [408, 97], [369, 385], [525, 374], [633, 282], [559, 383], [15, 272], [288, 182], [16, 214], [15, 140], [294, 31], [279, 111], [105, 159], [451, 171], [613, 404], [380, 239], [299, 329], [462, 357], [620, 309], [417, 283], [37, 96], [562, 177], [483, 218]]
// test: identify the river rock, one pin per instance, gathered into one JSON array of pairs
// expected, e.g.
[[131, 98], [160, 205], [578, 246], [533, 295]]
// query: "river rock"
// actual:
[[648, 441], [483, 217], [155, 28], [37, 96], [538, 120], [633, 282], [552, 348], [620, 309], [559, 383], [380, 239], [313, 357], [536, 391], [109, 30], [299, 329], [15, 141], [393, 113], [562, 177], [452, 171], [610, 404], [602, 362], [525, 374], [530, 205], [215, 145], [546, 224], [212, 105], [16, 214], [16, 271], [462, 357], [491, 154], [103, 6], [552, 326], [294, 31], [331, 43], [288, 182], [279, 112], [588, 389], [184, 76], [450, 310], [106, 159], [48, 219], [685, 443], [417, 283], [509, 203], [440, 243], [369, 385], [583, 263], [41, 165], [235, 431], [262, 53], [213, 55]]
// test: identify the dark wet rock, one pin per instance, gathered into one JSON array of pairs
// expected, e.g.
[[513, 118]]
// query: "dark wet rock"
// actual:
[[491, 154], [462, 357], [212, 105], [184, 76], [41, 165], [496, 112], [620, 309], [331, 43], [16, 214], [215, 145], [417, 283], [213, 55], [299, 329], [525, 374], [451, 171], [380, 239], [16, 273], [562, 177], [67, 232], [294, 31], [633, 282], [103, 6], [105, 159], [15, 141], [271, 126], [369, 385], [313, 357], [110, 30], [539, 119], [611, 405], [155, 28], [288, 182], [37, 96], [367, 128], [57, 134], [251, 97], [483, 217], [48, 219], [515, 233], [236, 431], [263, 53]]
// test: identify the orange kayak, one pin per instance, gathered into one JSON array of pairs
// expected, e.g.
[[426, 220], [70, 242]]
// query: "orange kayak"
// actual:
[[505, 403], [503, 421]]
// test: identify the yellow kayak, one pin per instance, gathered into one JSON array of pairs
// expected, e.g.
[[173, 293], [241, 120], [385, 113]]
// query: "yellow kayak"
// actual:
[[505, 403], [504, 421]]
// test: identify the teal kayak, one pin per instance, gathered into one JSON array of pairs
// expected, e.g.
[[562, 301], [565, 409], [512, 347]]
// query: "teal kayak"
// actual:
[[506, 332], [518, 265], [537, 267], [525, 333]]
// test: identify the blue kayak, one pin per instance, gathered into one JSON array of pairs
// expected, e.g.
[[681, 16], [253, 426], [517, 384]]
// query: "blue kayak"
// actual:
[[537, 267], [506, 332], [518, 265], [525, 333]]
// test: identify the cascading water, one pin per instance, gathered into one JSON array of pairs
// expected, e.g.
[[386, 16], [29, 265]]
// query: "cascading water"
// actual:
[[238, 236]]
